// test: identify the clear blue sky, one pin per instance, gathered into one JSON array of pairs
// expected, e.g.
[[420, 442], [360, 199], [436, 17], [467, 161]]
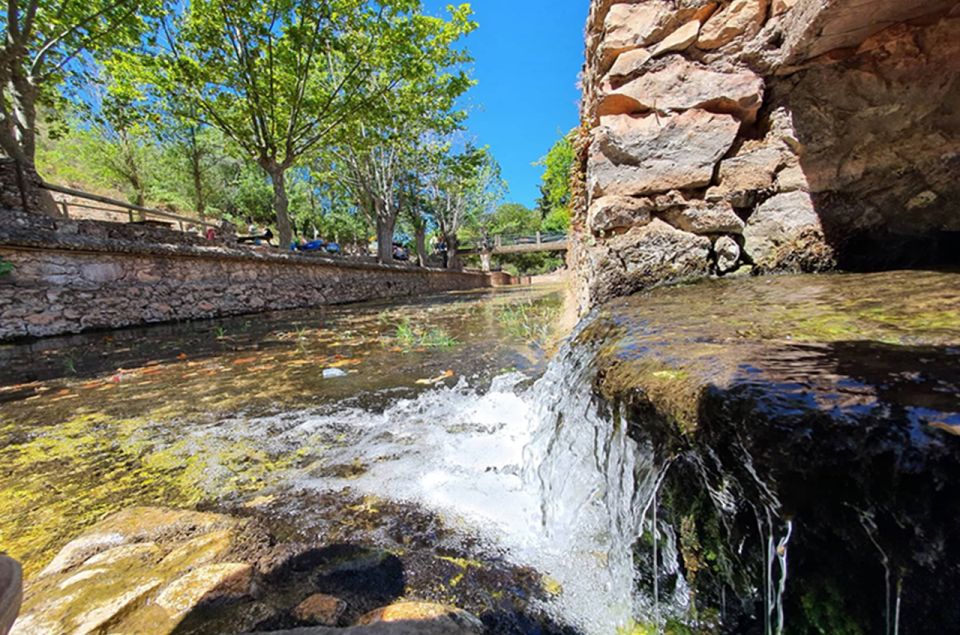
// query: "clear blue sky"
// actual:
[[527, 56]]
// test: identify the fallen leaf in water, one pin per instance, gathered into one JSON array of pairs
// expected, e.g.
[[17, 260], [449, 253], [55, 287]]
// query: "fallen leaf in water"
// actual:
[[946, 427], [435, 380], [244, 360], [182, 356], [151, 371], [62, 391]]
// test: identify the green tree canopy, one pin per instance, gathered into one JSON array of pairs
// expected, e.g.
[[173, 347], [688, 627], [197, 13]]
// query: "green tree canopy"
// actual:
[[279, 76], [554, 201]]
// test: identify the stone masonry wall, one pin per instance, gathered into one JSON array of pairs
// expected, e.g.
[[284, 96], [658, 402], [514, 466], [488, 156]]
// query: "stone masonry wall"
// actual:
[[71, 276], [779, 135]]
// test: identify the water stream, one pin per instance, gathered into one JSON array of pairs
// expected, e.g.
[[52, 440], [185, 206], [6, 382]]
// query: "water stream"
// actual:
[[586, 473]]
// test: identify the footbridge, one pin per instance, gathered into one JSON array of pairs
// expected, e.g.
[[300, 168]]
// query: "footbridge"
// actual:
[[526, 244]]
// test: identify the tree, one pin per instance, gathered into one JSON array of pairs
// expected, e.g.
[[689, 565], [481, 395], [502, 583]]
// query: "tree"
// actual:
[[554, 201], [374, 168], [279, 76], [513, 219], [43, 41], [419, 222], [462, 187]]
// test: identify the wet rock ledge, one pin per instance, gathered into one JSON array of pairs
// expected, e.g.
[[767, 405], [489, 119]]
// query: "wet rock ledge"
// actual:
[[807, 433]]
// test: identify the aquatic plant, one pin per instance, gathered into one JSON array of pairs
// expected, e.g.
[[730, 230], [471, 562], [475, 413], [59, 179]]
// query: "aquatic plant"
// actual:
[[529, 320], [408, 337], [6, 267]]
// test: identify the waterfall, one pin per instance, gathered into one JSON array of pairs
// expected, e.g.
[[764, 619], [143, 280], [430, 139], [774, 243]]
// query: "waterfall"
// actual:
[[545, 473]]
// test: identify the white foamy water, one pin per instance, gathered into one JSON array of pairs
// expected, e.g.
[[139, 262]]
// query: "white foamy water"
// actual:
[[536, 471]]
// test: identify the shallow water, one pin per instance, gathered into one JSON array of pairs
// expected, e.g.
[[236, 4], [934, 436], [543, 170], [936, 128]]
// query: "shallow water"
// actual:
[[451, 433]]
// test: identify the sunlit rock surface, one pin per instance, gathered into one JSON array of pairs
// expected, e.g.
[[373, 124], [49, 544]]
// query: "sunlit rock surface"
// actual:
[[851, 106]]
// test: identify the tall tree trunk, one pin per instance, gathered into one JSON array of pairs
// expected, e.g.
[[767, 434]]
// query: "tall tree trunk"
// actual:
[[199, 200], [18, 132], [453, 258], [385, 225], [140, 193], [281, 204], [421, 237]]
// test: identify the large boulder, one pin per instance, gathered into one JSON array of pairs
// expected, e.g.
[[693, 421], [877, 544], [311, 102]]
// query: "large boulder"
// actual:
[[648, 154]]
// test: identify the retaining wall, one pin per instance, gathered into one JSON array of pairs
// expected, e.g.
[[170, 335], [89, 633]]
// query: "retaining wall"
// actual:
[[782, 135], [71, 276]]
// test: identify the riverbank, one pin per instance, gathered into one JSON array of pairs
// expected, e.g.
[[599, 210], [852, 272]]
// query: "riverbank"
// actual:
[[71, 276]]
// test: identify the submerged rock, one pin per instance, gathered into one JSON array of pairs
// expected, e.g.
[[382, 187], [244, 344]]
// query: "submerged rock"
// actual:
[[320, 609], [139, 570], [168, 571], [451, 618]]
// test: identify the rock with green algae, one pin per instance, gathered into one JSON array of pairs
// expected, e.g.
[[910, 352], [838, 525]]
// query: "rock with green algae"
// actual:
[[138, 571], [818, 410]]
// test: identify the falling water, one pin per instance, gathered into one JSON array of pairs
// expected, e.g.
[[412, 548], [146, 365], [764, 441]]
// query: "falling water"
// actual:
[[543, 472]]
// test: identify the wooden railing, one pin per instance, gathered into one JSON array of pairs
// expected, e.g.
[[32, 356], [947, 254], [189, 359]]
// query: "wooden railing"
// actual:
[[540, 241], [133, 212]]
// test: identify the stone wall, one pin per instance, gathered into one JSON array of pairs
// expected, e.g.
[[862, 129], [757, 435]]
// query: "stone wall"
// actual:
[[71, 276], [783, 135]]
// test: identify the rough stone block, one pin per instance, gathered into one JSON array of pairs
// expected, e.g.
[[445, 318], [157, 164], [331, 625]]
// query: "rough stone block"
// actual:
[[649, 154], [682, 85], [616, 212], [699, 217], [785, 233], [741, 18], [644, 257]]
